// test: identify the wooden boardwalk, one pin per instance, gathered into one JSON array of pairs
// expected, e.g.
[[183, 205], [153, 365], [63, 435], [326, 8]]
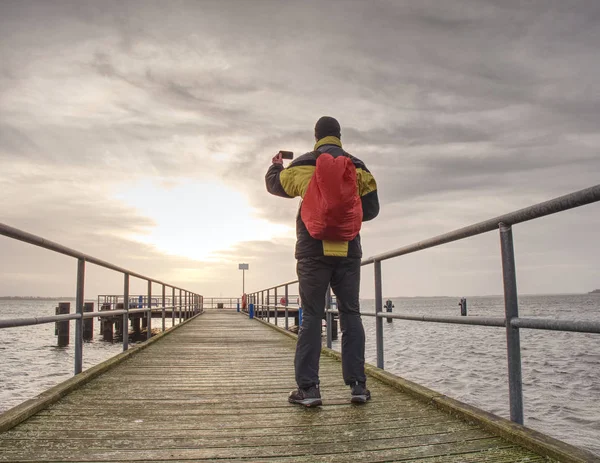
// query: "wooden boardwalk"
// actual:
[[216, 389]]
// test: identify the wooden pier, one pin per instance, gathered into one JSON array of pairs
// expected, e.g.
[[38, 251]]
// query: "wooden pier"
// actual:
[[215, 388]]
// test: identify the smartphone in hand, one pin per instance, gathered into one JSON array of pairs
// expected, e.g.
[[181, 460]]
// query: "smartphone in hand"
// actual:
[[287, 154]]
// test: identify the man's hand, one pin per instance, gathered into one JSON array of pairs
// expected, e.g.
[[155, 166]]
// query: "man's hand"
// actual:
[[278, 159]]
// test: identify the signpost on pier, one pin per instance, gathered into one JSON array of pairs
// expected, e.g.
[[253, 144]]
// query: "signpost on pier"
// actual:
[[243, 268]]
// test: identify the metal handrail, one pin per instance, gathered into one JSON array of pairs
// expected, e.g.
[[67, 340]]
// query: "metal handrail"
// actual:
[[511, 322], [190, 303]]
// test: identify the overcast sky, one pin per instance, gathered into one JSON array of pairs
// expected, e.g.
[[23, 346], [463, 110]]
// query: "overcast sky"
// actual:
[[140, 133]]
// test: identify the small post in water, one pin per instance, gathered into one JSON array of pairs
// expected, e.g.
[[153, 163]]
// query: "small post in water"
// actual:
[[463, 306], [107, 325], [389, 305], [62, 328], [88, 323]]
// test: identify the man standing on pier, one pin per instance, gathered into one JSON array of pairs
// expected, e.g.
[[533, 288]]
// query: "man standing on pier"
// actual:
[[338, 193]]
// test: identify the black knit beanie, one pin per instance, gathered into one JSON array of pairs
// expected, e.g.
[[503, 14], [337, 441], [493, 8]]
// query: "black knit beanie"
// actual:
[[327, 126]]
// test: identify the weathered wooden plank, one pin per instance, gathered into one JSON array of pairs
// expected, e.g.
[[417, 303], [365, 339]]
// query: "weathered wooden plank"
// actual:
[[429, 445], [285, 432], [237, 439]]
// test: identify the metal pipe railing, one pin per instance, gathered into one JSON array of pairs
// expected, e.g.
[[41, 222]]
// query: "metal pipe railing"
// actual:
[[227, 302], [16, 322], [511, 321], [79, 314]]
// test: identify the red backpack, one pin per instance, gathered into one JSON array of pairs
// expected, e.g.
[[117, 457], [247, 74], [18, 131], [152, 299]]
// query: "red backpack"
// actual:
[[331, 208]]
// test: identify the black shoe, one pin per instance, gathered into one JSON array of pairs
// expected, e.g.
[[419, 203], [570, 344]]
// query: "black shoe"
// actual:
[[360, 393], [310, 397]]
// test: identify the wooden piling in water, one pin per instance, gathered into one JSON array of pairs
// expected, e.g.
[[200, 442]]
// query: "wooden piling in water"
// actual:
[[88, 323], [136, 325], [62, 328], [107, 325], [105, 306], [119, 323]]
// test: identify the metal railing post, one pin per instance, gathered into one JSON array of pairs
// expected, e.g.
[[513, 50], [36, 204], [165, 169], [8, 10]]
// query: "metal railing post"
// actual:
[[511, 307], [328, 317], [149, 312], [126, 315], [268, 306], [173, 306], [163, 308], [378, 308], [179, 306], [262, 305], [276, 307], [79, 321], [286, 307]]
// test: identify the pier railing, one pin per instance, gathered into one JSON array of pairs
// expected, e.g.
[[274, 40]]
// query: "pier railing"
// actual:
[[187, 303], [511, 320], [222, 302]]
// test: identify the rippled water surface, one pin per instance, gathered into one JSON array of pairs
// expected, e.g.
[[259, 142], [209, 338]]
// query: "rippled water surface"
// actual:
[[561, 371]]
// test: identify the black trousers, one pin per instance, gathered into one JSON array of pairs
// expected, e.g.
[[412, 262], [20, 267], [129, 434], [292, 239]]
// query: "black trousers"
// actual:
[[315, 274]]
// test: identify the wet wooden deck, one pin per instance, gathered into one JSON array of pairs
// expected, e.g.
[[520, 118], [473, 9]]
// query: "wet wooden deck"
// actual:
[[216, 389]]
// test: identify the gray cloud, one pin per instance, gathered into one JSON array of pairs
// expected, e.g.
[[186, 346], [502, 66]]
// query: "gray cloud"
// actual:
[[462, 110]]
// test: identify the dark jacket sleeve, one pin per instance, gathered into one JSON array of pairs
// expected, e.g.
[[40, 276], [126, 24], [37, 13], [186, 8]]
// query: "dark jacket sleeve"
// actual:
[[273, 181], [370, 205], [367, 187]]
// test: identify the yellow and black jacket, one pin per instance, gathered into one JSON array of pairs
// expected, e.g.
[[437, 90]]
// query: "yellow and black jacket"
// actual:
[[293, 181]]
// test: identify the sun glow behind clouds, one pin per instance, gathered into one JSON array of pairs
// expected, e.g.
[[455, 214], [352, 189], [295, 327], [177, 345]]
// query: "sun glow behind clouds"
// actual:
[[196, 219]]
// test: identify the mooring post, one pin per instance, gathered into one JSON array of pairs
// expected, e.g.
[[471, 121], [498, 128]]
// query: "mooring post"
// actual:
[[334, 327], [105, 306], [463, 306], [135, 321], [107, 325], [119, 322], [88, 323], [62, 328], [251, 310]]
